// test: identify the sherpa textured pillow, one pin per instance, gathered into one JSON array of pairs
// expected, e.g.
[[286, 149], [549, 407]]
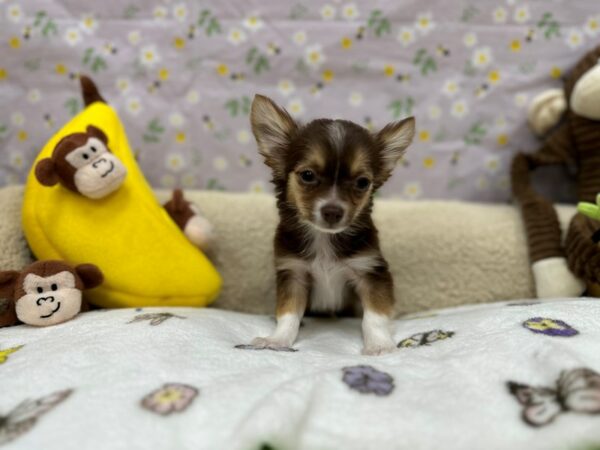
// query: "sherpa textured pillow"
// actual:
[[441, 253]]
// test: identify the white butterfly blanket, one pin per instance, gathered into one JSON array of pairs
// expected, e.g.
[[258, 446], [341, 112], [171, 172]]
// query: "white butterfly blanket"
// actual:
[[515, 375]]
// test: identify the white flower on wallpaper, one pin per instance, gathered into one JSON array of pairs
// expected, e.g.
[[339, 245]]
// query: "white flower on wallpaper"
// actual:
[[134, 106], [412, 190], [355, 99], [72, 36], [295, 107], [469, 39], [482, 57], [253, 22], [34, 96], [17, 119], [257, 186], [424, 22], [123, 85], [350, 12], [160, 12], [406, 36], [236, 36], [14, 13], [299, 37], [88, 23], [459, 109], [492, 164], [243, 136], [592, 26], [520, 100], [522, 14], [314, 56], [149, 55], [434, 112], [134, 37], [450, 88], [17, 160], [286, 87], [220, 163], [176, 120], [175, 162], [188, 180], [180, 12], [327, 12], [574, 38], [499, 15], [482, 183], [192, 97], [168, 181]]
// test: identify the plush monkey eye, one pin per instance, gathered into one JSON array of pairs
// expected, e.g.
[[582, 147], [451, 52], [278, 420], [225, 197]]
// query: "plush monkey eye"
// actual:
[[362, 183], [85, 156], [308, 177], [93, 149], [54, 287], [40, 289]]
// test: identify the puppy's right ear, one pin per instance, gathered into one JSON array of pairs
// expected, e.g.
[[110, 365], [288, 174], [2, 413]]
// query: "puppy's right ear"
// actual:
[[7, 283], [273, 129], [45, 172]]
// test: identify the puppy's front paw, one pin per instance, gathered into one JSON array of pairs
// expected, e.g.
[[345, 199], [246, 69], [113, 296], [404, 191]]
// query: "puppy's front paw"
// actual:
[[378, 349], [271, 343]]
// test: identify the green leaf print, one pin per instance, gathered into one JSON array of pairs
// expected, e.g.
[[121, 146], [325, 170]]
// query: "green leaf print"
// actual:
[[401, 107], [238, 106], [45, 24], [72, 105], [214, 185], [130, 11], [209, 22], [32, 64], [298, 12], [378, 23], [425, 62], [153, 132], [549, 26], [94, 61], [3, 130], [475, 134], [259, 62], [469, 13]]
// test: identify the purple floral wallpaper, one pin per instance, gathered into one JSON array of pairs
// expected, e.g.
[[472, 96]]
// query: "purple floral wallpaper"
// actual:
[[182, 76]]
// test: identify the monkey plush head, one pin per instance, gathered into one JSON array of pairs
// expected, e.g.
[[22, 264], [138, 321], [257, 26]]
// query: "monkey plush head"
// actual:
[[83, 163], [48, 292]]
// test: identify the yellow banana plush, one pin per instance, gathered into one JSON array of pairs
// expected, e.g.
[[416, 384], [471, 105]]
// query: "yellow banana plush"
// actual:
[[145, 257]]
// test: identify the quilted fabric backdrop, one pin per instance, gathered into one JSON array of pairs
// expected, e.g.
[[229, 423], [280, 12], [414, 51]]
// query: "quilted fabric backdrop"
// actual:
[[182, 75]]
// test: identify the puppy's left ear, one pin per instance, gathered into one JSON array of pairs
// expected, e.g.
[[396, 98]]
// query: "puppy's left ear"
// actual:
[[393, 140], [273, 129], [90, 275]]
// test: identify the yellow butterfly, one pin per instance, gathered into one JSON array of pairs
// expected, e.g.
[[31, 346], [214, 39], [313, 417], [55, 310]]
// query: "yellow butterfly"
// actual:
[[4, 353]]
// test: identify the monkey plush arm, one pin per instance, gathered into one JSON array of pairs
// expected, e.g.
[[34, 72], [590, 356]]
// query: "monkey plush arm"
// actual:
[[551, 275], [583, 253]]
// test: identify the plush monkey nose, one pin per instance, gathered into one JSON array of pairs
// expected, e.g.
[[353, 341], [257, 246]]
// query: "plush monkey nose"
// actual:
[[332, 213], [99, 161], [44, 299]]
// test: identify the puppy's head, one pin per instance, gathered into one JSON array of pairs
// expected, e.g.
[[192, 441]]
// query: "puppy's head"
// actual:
[[327, 170]]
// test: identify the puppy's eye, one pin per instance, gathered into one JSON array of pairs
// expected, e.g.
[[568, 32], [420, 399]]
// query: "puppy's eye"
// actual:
[[362, 183], [54, 287], [85, 156], [40, 290], [308, 177], [93, 149]]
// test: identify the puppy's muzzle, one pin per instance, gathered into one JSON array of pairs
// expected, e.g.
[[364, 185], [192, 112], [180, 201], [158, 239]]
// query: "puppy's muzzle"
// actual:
[[332, 214]]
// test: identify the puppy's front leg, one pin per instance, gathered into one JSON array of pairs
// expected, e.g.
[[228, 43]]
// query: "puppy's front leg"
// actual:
[[292, 296], [376, 291]]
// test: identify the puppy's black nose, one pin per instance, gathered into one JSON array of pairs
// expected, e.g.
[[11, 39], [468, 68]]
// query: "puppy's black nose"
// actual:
[[332, 214]]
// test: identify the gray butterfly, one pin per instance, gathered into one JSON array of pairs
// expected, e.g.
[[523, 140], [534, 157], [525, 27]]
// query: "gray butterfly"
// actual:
[[154, 318], [25, 415]]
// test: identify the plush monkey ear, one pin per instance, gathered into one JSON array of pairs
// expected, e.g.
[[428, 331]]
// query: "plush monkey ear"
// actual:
[[90, 275], [45, 172], [393, 140], [97, 133], [273, 128], [178, 200], [7, 283]]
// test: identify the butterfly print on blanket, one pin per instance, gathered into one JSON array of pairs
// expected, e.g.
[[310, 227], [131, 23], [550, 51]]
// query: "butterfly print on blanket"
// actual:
[[420, 339], [154, 318], [25, 415], [576, 390]]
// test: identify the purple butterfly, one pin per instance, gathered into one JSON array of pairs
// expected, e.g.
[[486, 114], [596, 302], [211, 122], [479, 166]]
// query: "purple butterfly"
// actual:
[[577, 390]]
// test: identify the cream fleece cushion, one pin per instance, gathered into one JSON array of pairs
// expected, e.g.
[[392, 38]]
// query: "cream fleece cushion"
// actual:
[[440, 253]]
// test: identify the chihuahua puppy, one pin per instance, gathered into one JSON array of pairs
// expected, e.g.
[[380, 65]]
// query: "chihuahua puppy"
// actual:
[[327, 254]]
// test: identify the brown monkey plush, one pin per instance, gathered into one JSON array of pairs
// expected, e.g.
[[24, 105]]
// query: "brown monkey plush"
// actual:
[[46, 292], [575, 142], [187, 217], [82, 162]]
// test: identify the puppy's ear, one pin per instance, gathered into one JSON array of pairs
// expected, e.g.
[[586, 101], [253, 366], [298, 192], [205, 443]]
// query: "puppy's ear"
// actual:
[[97, 133], [45, 172], [392, 141], [273, 129], [90, 275], [7, 283]]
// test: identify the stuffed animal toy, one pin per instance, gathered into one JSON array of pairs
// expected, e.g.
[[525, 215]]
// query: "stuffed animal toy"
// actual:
[[187, 217], [563, 271], [46, 292], [87, 200]]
